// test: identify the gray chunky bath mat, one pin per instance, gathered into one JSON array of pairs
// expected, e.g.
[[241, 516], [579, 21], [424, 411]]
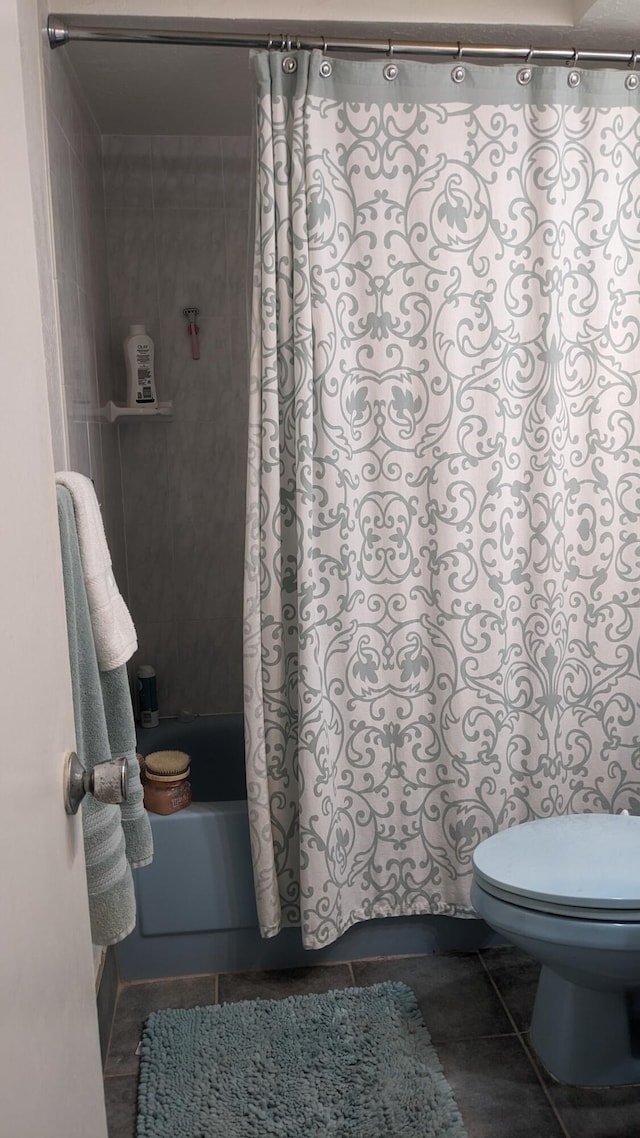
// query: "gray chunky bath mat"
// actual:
[[354, 1063]]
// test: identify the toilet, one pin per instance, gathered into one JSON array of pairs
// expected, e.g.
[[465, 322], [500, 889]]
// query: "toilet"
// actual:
[[567, 891]]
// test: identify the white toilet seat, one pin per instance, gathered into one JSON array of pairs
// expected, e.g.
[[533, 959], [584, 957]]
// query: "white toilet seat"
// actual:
[[584, 866]]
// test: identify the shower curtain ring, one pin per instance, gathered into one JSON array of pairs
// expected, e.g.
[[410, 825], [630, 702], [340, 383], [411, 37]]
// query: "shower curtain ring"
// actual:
[[573, 62], [634, 59], [324, 46], [459, 51], [529, 55], [390, 49]]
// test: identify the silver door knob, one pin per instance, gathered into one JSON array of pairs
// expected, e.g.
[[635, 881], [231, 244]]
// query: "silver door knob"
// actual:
[[108, 782]]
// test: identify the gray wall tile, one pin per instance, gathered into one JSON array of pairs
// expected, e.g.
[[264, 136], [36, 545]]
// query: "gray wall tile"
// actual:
[[96, 467], [150, 569], [145, 476], [200, 389], [183, 482], [112, 506], [237, 238], [131, 253], [211, 664], [126, 160], [187, 172], [102, 346], [191, 261], [78, 436], [208, 568], [81, 441], [237, 155], [82, 194], [204, 473], [143, 447], [61, 200], [69, 308], [158, 645], [63, 99]]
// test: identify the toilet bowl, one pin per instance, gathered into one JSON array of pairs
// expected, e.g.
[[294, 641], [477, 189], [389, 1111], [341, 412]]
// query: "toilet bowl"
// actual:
[[567, 891]]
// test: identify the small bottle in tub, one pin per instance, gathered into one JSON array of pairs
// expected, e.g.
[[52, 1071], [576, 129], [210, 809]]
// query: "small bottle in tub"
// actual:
[[147, 695]]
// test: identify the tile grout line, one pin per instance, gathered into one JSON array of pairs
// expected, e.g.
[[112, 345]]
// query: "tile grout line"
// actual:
[[529, 1057], [542, 1083], [164, 979], [498, 993]]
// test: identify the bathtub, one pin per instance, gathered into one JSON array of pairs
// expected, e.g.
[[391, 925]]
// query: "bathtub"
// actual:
[[195, 902]]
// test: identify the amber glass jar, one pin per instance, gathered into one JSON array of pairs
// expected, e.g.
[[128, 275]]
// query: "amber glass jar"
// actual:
[[165, 794]]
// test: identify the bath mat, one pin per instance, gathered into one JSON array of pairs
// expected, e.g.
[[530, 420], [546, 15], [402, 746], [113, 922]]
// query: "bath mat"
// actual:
[[355, 1063]]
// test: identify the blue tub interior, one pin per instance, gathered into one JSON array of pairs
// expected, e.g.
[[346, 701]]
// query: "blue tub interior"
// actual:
[[215, 744], [196, 903]]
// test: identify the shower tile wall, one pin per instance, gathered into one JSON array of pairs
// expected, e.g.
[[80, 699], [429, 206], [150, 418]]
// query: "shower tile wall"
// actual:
[[78, 363], [177, 211]]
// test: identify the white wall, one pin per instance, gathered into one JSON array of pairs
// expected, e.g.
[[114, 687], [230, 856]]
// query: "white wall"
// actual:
[[403, 11], [50, 1076]]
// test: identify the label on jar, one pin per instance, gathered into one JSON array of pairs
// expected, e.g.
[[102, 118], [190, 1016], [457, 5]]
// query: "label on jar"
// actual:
[[180, 795]]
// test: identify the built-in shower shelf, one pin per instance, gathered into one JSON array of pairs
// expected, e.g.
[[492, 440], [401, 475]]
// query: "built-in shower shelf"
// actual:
[[115, 411]]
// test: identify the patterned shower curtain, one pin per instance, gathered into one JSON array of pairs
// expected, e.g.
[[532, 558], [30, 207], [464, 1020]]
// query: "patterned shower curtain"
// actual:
[[442, 590]]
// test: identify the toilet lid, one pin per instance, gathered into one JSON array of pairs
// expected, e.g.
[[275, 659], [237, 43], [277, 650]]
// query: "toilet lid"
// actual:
[[584, 861]]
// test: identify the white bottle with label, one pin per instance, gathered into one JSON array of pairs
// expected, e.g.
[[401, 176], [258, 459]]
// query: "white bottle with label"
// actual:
[[139, 358]]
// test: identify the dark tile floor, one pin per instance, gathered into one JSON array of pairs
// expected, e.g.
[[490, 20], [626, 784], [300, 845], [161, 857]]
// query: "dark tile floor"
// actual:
[[477, 1008]]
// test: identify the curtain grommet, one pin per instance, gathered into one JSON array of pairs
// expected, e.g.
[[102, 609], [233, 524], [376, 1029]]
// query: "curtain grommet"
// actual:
[[632, 82], [458, 75], [289, 65], [390, 72], [524, 76], [325, 69], [573, 78]]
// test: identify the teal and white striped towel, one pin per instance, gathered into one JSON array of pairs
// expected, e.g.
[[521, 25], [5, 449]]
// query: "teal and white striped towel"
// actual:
[[115, 838]]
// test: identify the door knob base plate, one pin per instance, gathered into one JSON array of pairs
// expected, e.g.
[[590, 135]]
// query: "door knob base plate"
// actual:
[[74, 788]]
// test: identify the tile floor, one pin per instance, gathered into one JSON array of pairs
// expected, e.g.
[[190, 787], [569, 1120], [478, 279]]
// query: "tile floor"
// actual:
[[477, 1008]]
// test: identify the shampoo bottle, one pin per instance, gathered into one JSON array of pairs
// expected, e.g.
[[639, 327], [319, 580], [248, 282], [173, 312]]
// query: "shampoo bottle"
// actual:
[[139, 358]]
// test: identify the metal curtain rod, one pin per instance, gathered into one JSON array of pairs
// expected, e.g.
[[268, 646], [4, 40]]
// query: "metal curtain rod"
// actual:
[[60, 31]]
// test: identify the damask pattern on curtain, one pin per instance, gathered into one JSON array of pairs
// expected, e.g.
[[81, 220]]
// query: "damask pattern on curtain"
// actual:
[[442, 591]]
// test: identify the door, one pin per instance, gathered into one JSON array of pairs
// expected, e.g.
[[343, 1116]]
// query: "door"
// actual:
[[50, 1072]]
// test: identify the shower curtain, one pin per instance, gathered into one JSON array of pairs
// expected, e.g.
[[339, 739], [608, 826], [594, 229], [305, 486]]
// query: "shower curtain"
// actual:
[[442, 585]]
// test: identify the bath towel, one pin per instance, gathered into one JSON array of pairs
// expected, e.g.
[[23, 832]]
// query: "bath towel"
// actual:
[[122, 741], [104, 727], [113, 630]]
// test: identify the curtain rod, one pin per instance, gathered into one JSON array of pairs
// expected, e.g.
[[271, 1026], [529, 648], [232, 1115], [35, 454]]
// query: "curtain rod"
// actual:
[[60, 32]]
